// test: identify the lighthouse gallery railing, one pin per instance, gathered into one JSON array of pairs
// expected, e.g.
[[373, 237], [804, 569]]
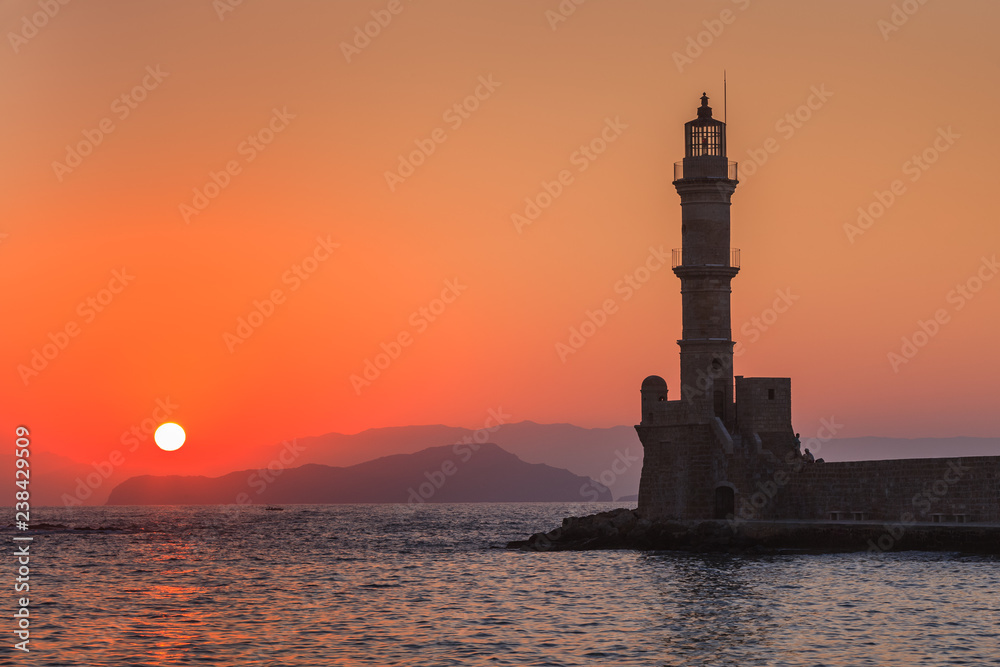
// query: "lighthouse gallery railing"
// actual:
[[678, 259]]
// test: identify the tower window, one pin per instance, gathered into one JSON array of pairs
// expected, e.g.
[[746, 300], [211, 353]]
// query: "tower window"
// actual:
[[770, 394]]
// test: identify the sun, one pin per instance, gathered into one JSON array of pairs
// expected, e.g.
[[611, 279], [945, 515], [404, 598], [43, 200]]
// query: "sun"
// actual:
[[169, 436]]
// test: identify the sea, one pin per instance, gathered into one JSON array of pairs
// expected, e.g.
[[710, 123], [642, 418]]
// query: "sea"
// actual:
[[433, 584]]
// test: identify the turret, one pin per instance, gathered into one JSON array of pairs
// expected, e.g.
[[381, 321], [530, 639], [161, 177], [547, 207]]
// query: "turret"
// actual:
[[654, 400]]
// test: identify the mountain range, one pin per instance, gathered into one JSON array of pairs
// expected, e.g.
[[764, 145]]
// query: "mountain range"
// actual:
[[451, 473], [612, 456]]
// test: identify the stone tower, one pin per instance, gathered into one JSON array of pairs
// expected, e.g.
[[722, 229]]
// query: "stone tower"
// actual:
[[689, 443], [705, 181]]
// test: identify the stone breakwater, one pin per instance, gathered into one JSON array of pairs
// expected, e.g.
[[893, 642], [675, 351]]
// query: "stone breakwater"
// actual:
[[626, 529]]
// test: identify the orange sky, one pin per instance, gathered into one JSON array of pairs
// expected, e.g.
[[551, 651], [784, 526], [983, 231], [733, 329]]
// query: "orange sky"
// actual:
[[308, 126]]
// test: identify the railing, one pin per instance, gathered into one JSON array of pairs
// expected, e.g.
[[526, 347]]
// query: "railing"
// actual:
[[706, 168], [677, 259]]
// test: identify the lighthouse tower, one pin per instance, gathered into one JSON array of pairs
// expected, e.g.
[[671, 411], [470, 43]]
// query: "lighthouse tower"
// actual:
[[706, 265], [692, 446]]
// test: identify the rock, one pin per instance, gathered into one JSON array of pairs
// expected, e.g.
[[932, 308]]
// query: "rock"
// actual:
[[625, 529], [639, 530], [624, 520]]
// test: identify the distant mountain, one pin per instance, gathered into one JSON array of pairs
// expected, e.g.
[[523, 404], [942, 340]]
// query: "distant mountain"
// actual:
[[874, 448], [612, 456], [452, 473], [59, 480]]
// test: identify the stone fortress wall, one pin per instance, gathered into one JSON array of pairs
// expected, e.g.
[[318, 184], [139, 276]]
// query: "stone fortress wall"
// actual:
[[964, 489], [687, 460]]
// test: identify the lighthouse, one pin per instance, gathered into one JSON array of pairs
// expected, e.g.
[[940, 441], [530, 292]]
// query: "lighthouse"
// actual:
[[706, 180], [702, 452], [724, 456]]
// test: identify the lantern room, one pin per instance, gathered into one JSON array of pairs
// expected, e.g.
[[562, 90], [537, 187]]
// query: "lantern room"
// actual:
[[704, 136]]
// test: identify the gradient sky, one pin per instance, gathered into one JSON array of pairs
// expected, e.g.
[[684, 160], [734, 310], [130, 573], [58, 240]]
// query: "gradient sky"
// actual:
[[340, 117]]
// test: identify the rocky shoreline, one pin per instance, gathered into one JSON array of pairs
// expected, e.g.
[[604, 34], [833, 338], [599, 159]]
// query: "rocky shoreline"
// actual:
[[626, 529]]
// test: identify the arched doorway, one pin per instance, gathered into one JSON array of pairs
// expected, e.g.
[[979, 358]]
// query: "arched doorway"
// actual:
[[725, 502]]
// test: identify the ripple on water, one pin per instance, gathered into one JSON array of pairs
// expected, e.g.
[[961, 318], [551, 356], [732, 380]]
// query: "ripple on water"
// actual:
[[428, 586]]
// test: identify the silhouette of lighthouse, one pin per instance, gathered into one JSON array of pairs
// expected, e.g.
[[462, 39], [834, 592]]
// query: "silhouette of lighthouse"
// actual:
[[706, 265], [725, 450], [702, 451]]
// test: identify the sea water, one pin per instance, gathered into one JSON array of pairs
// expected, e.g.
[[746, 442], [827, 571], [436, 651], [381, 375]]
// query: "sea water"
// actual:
[[433, 585]]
